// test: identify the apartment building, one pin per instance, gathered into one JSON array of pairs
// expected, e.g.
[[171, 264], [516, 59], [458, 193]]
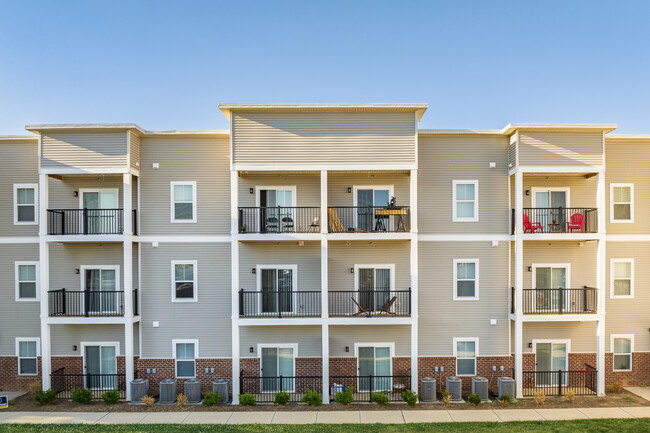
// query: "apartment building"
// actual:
[[315, 246]]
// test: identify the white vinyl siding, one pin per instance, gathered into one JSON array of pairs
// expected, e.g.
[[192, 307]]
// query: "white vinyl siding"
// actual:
[[27, 351], [183, 200], [622, 278], [622, 347], [465, 352], [465, 197], [466, 279], [25, 204], [185, 281], [26, 275], [185, 354], [621, 207]]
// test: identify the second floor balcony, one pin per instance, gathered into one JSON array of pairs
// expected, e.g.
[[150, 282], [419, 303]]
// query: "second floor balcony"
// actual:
[[369, 219], [88, 221], [557, 301], [89, 303], [279, 219], [557, 220]]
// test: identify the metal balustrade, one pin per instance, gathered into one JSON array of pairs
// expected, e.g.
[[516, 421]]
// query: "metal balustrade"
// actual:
[[279, 219], [557, 301], [88, 221], [369, 219], [87, 303], [557, 220]]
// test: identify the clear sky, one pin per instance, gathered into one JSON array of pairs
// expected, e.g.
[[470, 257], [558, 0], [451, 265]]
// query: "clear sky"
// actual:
[[481, 64]]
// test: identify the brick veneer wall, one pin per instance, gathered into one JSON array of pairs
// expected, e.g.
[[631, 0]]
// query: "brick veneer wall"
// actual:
[[484, 364], [10, 380], [165, 369]]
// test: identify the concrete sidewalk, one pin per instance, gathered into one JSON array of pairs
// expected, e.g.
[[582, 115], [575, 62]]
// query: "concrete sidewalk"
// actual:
[[325, 417]]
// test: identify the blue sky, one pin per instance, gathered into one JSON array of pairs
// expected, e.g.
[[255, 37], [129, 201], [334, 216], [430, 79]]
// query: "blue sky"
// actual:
[[166, 65]]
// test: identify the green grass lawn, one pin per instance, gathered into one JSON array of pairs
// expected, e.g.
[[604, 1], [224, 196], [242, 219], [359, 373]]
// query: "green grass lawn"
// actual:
[[577, 426]]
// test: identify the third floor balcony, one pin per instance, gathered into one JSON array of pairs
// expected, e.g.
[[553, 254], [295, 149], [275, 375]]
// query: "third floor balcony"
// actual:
[[556, 220]]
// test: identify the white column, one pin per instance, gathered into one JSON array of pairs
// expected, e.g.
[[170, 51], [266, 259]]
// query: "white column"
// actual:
[[44, 279], [601, 263], [234, 261], [325, 353], [519, 282], [324, 220], [128, 281], [413, 223]]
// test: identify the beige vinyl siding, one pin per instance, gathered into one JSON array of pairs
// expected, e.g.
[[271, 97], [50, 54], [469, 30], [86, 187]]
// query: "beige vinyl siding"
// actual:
[[339, 182], [62, 191], [560, 148], [445, 158], [66, 258], [83, 149], [135, 252], [441, 318], [208, 320], [267, 138], [630, 316], [308, 339], [18, 164], [306, 257], [17, 319], [342, 336], [627, 161], [342, 257], [307, 186], [134, 142], [582, 192], [134, 191], [512, 150], [204, 160], [65, 336], [581, 334]]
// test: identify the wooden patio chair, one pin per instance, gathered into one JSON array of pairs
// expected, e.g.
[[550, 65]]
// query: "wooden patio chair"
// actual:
[[361, 309], [335, 224], [386, 308]]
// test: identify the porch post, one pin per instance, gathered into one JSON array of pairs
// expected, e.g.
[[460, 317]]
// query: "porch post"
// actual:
[[324, 284], [44, 280], [601, 261], [234, 263], [128, 280], [519, 283], [414, 281]]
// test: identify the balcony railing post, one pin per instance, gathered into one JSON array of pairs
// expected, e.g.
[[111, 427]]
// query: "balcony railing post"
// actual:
[[370, 387], [241, 302], [559, 383], [561, 292], [63, 301], [409, 301], [86, 302]]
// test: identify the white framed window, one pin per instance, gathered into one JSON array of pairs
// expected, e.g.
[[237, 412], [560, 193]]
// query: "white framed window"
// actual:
[[622, 346], [621, 276], [465, 279], [185, 354], [25, 203], [26, 276], [183, 202], [185, 286], [465, 197], [466, 352], [28, 350], [621, 203]]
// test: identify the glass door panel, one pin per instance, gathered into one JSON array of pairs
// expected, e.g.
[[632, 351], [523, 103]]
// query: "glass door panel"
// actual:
[[365, 213], [547, 282], [277, 362], [375, 362], [366, 367], [550, 358], [366, 288], [100, 367], [382, 369], [99, 219], [102, 284], [277, 290]]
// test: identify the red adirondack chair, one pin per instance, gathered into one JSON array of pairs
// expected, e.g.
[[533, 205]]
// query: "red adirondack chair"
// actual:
[[577, 222], [528, 226]]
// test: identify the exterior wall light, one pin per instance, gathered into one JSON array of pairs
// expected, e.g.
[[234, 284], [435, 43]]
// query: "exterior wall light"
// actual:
[[251, 350], [347, 349], [250, 190], [352, 270], [254, 270], [530, 269], [349, 190]]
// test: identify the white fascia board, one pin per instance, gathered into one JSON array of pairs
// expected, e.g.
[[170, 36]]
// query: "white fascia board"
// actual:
[[19, 240], [321, 167], [561, 317], [460, 237], [243, 237], [185, 238], [84, 238], [87, 170], [370, 236]]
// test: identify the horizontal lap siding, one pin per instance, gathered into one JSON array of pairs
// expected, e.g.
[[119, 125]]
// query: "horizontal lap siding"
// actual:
[[84, 150], [66, 336], [307, 187], [630, 316], [342, 336], [323, 138], [209, 319], [581, 258], [560, 148], [17, 319], [338, 184], [62, 191], [204, 160], [18, 164], [308, 339], [441, 318], [446, 158], [134, 142], [512, 151], [582, 192], [306, 257], [581, 334], [65, 258], [342, 257], [628, 162]]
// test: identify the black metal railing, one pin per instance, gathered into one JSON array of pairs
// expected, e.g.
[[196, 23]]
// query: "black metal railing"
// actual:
[[369, 303], [279, 303], [63, 383], [557, 383], [279, 219], [265, 388], [557, 220], [363, 387], [87, 221], [369, 219], [557, 301], [80, 303]]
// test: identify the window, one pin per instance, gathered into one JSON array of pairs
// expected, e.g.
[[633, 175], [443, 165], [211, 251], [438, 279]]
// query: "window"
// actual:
[[622, 346], [27, 350], [465, 351], [621, 278], [621, 202], [465, 279], [25, 207], [465, 194], [184, 281], [27, 281], [183, 202], [185, 357]]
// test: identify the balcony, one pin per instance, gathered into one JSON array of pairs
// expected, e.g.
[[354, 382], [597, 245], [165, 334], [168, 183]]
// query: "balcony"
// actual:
[[88, 222], [279, 304], [557, 301], [87, 303], [557, 220], [279, 220], [370, 303], [369, 219]]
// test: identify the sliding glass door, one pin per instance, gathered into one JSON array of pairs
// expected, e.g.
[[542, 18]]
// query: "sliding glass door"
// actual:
[[277, 362], [277, 290], [375, 361], [102, 285], [374, 285]]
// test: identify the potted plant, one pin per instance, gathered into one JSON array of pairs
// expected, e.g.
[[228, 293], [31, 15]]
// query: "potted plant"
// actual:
[[243, 228]]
